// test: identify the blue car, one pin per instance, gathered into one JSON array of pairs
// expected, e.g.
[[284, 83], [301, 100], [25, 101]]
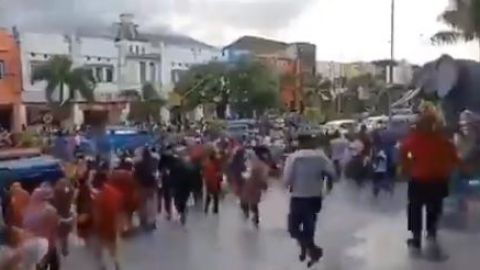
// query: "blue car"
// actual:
[[28, 167], [116, 139]]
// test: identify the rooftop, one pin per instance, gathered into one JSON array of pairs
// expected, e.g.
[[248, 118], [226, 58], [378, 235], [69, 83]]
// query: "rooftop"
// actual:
[[258, 45]]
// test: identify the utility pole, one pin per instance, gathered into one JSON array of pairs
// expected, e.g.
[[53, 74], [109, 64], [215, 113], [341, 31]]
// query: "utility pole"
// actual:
[[392, 41], [392, 58]]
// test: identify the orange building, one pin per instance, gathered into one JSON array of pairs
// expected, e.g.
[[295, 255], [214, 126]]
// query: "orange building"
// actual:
[[288, 73], [10, 82], [294, 62]]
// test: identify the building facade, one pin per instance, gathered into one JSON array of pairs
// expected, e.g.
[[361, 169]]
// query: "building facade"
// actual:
[[10, 82], [295, 63], [120, 61]]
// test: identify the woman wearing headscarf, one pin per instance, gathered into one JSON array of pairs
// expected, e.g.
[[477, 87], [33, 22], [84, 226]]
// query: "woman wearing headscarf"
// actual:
[[19, 199], [429, 158], [255, 184], [41, 219]]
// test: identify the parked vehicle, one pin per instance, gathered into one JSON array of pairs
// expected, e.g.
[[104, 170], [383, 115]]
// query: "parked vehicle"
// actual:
[[242, 128], [29, 167], [344, 126]]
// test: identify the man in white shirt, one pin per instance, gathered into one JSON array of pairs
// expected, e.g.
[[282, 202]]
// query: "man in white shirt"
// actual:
[[304, 173]]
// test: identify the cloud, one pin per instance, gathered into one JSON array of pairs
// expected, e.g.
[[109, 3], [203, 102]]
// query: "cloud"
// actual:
[[190, 16]]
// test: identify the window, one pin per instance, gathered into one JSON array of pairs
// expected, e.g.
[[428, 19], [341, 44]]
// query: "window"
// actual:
[[143, 50], [35, 65], [131, 49], [153, 72], [143, 72], [2, 69], [109, 74], [99, 74], [137, 49]]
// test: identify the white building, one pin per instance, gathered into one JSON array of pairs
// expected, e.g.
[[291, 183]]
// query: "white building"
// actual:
[[120, 61], [97, 54]]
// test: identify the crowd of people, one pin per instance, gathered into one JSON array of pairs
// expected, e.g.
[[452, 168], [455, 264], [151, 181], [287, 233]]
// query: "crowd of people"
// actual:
[[100, 203]]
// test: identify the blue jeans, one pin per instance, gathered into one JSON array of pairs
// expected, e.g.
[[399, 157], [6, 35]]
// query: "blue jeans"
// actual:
[[303, 218]]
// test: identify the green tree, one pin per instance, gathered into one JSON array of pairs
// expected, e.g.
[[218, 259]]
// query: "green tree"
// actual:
[[147, 105], [68, 82], [246, 86], [464, 20]]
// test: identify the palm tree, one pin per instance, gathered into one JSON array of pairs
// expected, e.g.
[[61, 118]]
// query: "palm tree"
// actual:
[[464, 21], [59, 76], [147, 104]]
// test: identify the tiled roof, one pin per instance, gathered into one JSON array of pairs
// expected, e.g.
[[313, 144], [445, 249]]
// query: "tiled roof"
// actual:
[[258, 45]]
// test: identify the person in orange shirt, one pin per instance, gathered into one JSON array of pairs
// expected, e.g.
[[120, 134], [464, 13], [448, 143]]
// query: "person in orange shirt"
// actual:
[[19, 200], [123, 180], [106, 218], [429, 159], [212, 175]]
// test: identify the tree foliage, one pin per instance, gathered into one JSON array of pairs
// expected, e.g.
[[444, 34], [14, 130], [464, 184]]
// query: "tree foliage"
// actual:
[[60, 76], [464, 20], [245, 86], [147, 105]]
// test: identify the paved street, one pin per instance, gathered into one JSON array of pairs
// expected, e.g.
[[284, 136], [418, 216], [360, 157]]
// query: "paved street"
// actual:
[[356, 231]]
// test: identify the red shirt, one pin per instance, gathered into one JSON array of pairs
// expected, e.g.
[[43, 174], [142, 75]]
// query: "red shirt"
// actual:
[[212, 175], [428, 156], [107, 212]]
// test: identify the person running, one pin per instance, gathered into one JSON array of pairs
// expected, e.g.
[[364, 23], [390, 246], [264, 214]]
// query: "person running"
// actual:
[[196, 155], [429, 158], [106, 218], [182, 171], [304, 174], [338, 147], [145, 173], [255, 184], [379, 167], [212, 175], [124, 182], [165, 167], [42, 220], [84, 201], [19, 200], [62, 201]]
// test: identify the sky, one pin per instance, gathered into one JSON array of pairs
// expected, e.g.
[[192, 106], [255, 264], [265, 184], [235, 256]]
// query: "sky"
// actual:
[[343, 30]]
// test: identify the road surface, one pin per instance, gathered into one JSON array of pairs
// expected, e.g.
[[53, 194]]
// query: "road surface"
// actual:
[[356, 231]]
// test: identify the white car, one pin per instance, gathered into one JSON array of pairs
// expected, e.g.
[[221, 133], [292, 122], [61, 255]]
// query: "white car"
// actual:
[[344, 126]]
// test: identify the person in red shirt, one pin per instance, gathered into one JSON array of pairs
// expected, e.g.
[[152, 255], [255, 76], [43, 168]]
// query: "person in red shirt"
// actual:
[[124, 181], [212, 175], [107, 204], [428, 158]]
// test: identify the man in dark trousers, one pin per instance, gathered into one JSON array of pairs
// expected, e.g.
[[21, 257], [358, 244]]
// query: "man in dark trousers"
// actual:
[[182, 171], [428, 158], [304, 173]]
